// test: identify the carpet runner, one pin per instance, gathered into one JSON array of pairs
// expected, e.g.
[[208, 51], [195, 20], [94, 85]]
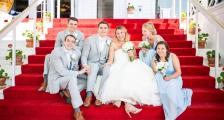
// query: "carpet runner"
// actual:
[[23, 102]]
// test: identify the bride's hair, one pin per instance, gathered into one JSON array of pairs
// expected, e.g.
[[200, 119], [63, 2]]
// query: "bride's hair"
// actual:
[[167, 52], [127, 37]]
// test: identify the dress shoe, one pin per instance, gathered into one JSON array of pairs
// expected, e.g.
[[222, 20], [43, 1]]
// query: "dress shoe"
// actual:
[[98, 103], [87, 101], [78, 116]]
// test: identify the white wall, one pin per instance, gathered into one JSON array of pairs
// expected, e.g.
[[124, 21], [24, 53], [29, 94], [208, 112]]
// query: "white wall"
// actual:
[[147, 9], [86, 9]]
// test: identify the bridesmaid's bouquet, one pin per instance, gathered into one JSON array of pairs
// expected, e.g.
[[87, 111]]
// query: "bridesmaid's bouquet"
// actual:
[[144, 44], [162, 66], [126, 47]]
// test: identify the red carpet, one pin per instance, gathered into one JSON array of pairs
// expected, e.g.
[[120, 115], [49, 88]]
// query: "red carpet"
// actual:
[[23, 102]]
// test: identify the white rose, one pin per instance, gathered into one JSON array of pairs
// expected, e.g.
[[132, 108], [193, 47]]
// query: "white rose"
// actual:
[[74, 57]]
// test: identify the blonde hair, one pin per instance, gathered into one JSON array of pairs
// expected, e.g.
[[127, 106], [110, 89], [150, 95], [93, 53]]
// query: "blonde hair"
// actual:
[[127, 37], [150, 27]]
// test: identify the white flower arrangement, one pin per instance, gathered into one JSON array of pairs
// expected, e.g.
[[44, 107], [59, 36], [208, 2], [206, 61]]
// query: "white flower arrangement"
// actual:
[[127, 46], [162, 66], [74, 57], [144, 44], [108, 42]]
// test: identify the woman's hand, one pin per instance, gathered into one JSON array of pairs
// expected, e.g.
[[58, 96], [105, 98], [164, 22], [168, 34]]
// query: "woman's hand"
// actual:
[[167, 78], [144, 50], [131, 53]]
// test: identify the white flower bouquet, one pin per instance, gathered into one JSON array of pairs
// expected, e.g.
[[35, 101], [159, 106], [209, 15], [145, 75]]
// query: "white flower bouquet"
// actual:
[[144, 44], [162, 66], [126, 47]]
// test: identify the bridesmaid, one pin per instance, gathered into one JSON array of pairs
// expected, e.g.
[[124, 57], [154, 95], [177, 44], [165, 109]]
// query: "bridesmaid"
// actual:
[[150, 35], [174, 98]]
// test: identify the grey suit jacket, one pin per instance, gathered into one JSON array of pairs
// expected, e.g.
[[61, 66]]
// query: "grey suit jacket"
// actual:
[[59, 67], [61, 36], [91, 53]]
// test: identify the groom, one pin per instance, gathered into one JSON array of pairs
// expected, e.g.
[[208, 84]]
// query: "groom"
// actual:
[[94, 57]]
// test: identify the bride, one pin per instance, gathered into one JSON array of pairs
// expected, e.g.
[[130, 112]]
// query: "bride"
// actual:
[[130, 82]]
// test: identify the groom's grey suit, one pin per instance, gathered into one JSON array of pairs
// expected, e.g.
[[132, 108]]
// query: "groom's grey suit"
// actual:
[[92, 56], [63, 74]]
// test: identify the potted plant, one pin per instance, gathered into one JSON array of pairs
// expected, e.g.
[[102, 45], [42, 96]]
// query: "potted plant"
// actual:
[[220, 79], [39, 26], [211, 58], [202, 40], [3, 77], [192, 27], [48, 16], [183, 16], [19, 55], [130, 8], [29, 38]]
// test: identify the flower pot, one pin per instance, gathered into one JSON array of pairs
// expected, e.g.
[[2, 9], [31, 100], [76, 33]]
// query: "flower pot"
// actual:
[[201, 44], [211, 62], [130, 10], [192, 31], [19, 60], [2, 81], [29, 43]]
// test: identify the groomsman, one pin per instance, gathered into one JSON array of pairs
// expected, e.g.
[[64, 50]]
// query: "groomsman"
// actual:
[[63, 72], [94, 57], [71, 29]]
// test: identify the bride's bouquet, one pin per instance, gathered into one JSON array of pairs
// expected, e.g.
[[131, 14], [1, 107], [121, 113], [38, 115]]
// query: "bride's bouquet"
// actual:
[[127, 47], [162, 66]]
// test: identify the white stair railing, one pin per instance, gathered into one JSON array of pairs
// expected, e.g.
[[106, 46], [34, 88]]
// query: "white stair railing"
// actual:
[[12, 27], [219, 25]]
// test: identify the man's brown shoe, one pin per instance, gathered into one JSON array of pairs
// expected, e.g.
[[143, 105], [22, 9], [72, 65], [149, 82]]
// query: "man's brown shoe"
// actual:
[[78, 116], [98, 103], [87, 101]]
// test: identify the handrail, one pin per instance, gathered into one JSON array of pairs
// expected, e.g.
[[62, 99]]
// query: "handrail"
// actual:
[[208, 15], [19, 18]]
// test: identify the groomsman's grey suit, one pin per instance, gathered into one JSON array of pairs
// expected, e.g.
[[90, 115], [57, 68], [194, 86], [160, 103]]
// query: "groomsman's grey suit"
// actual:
[[63, 74], [78, 35], [95, 57]]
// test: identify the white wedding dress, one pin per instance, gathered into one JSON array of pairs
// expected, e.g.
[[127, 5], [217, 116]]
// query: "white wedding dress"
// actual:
[[131, 82]]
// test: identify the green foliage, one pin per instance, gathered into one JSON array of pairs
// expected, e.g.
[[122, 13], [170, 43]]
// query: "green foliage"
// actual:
[[3, 74], [18, 53], [192, 24], [48, 14], [211, 54], [203, 36], [221, 78], [29, 35], [130, 6]]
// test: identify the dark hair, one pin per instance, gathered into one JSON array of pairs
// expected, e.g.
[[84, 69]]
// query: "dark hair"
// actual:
[[70, 36], [167, 52], [103, 22], [73, 19]]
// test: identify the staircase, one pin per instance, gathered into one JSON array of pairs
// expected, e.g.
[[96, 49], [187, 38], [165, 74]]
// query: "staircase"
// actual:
[[24, 102]]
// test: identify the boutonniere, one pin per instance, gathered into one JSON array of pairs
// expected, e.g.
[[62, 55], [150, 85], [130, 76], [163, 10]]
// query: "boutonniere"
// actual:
[[108, 42], [74, 57]]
